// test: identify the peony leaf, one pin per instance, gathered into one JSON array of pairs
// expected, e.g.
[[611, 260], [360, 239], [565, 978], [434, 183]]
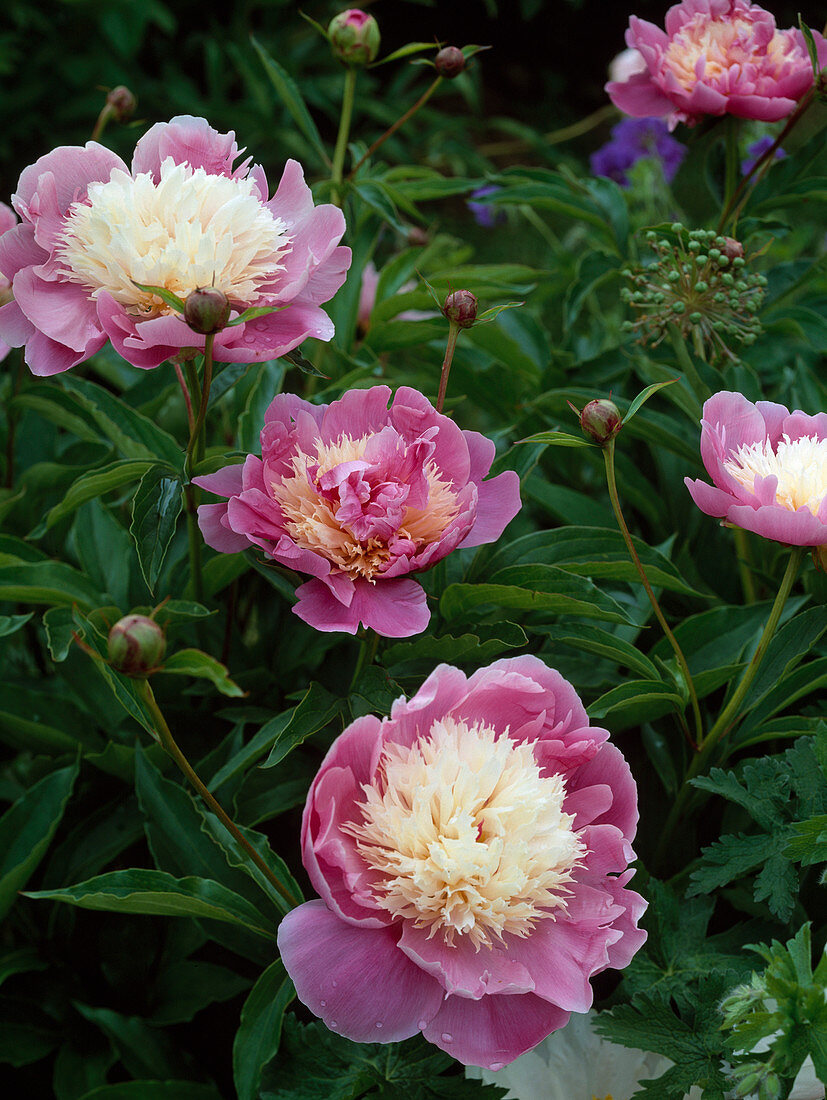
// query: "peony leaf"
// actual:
[[259, 1033], [156, 507]]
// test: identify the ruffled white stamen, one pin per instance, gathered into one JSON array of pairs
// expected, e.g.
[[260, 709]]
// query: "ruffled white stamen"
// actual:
[[189, 230], [799, 464], [469, 837]]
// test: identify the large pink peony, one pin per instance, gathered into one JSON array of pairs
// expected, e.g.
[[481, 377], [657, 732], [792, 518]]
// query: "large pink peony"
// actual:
[[471, 852], [768, 466], [716, 57], [182, 218], [359, 495], [8, 220]]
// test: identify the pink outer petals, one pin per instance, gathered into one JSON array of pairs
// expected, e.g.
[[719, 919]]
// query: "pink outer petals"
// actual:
[[61, 324], [729, 422], [689, 74], [356, 965], [8, 220], [373, 500]]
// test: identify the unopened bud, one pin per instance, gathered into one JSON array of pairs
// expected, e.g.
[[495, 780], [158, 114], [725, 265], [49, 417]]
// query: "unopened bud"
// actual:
[[461, 308], [136, 645], [354, 36], [417, 237], [732, 249], [601, 420], [449, 62], [122, 103], [207, 310]]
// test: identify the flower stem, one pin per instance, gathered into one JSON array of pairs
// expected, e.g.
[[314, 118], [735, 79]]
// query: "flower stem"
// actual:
[[103, 118], [344, 132], [423, 99], [195, 452], [608, 458], [699, 387], [179, 374], [732, 159], [195, 447], [453, 334], [744, 566], [171, 748], [729, 714], [367, 655]]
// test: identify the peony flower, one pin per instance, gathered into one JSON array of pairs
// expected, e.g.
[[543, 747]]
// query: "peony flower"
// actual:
[[8, 220], [768, 467], [473, 851], [632, 140], [359, 495], [716, 57], [626, 64], [182, 218]]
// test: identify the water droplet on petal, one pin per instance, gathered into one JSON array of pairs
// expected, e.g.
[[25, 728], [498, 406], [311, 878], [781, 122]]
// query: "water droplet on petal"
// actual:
[[323, 1004], [379, 1024], [446, 1038], [496, 1065], [422, 1025], [335, 984], [332, 1024]]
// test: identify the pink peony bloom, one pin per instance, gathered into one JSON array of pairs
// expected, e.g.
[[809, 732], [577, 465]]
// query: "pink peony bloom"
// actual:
[[359, 495], [768, 467], [8, 220], [716, 57], [472, 852], [182, 218]]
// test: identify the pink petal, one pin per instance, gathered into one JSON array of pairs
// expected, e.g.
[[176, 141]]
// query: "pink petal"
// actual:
[[146, 344], [226, 482], [45, 357], [443, 690], [561, 956], [335, 967], [499, 502], [18, 250], [356, 413], [463, 970], [60, 310], [639, 97], [632, 938], [188, 140], [800, 528], [609, 766], [67, 171], [212, 519], [713, 501], [15, 326], [393, 608], [272, 335]]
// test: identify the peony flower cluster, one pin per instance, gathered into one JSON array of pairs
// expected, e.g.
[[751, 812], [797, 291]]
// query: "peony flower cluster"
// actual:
[[716, 57], [182, 218], [473, 850], [8, 220], [768, 467], [360, 495]]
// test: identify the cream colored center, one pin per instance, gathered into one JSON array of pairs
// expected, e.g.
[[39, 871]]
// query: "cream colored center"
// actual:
[[800, 466], [311, 519], [189, 230], [721, 44], [469, 838]]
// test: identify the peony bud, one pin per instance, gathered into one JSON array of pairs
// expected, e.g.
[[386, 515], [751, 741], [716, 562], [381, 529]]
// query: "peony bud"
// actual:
[[354, 36], [601, 420], [461, 308], [136, 645], [122, 103], [732, 249], [449, 62], [207, 310]]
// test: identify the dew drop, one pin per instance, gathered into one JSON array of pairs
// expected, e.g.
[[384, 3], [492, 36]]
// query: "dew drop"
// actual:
[[379, 1024], [335, 985], [323, 1004], [332, 1024], [496, 1065], [446, 1038], [422, 1025]]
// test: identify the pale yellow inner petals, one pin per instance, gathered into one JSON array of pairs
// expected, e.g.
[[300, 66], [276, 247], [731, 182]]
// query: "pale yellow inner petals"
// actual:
[[800, 466], [311, 519], [191, 229], [470, 838], [717, 41]]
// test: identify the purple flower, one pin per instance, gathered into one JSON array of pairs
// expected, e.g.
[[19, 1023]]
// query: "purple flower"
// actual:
[[485, 213], [756, 150], [631, 141]]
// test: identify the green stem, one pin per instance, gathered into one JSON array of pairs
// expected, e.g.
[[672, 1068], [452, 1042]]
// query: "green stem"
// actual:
[[453, 335], [423, 99], [195, 452], [367, 655], [608, 457], [100, 125], [194, 542], [699, 387], [169, 744], [195, 447], [732, 159], [729, 714], [744, 567], [344, 132], [553, 137]]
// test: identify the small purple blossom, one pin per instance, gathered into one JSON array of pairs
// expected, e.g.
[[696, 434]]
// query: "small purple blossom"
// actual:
[[756, 150], [485, 213], [631, 141]]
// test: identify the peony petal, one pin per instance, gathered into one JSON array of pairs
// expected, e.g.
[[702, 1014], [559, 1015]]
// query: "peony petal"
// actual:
[[463, 970], [62, 311], [212, 519], [639, 97], [800, 528], [393, 608], [45, 357], [335, 966], [498, 503], [226, 482]]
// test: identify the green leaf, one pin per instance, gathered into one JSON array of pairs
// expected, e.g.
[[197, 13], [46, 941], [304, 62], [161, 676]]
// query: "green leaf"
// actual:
[[185, 987], [155, 510], [591, 639], [557, 439], [808, 844], [409, 657], [27, 828], [166, 296], [144, 1051], [156, 892], [314, 712], [288, 92], [192, 662], [47, 582], [296, 359], [636, 701], [733, 856], [238, 857], [251, 313], [259, 1033], [792, 642], [10, 624], [153, 1090], [27, 1034], [644, 396], [404, 51], [20, 960]]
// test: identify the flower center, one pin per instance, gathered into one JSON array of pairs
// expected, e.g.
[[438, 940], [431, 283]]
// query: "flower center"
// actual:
[[189, 230], [356, 510], [705, 49], [799, 464], [467, 835]]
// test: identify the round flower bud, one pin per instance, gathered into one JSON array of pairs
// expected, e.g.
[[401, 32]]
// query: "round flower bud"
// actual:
[[732, 249], [207, 310], [461, 308], [601, 420], [449, 62], [354, 36], [136, 645], [122, 103]]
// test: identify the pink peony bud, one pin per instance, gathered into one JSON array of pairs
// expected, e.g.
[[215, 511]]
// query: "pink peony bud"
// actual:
[[136, 646], [601, 420], [450, 62], [354, 36], [207, 310], [461, 308], [122, 103]]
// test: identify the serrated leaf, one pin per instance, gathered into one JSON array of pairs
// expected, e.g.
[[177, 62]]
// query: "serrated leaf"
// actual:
[[156, 507], [192, 662], [259, 1033]]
